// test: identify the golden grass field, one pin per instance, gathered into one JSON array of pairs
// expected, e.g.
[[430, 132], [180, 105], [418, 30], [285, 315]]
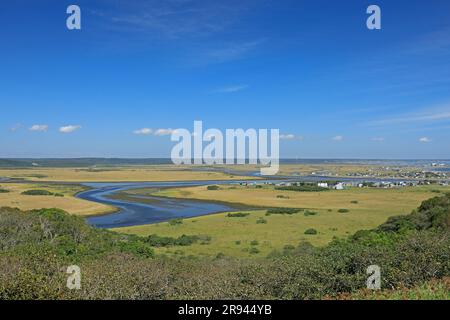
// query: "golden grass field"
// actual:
[[115, 174], [396, 200], [69, 203], [183, 173], [233, 236]]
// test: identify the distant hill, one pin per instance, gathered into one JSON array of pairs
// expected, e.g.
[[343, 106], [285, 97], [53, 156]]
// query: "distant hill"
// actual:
[[78, 162]]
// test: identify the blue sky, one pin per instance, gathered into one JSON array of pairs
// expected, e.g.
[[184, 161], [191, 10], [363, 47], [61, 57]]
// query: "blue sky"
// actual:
[[310, 68]]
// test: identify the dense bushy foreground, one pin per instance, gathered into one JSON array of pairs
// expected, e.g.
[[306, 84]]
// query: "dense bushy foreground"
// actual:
[[36, 247]]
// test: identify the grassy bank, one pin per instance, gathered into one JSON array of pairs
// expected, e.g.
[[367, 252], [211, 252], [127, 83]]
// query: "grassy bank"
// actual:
[[20, 195], [331, 214]]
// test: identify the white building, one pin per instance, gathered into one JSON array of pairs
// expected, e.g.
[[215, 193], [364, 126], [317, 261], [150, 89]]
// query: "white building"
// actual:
[[339, 186]]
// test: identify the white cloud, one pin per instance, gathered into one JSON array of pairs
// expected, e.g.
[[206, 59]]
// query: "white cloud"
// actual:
[[287, 136], [143, 131], [39, 127], [232, 89], [69, 128], [378, 139], [338, 138], [425, 140], [164, 132], [156, 132]]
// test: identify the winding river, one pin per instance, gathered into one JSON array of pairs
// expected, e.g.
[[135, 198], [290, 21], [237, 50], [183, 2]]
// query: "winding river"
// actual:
[[146, 209]]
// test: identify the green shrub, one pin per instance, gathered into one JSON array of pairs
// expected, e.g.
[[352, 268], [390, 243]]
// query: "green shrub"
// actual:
[[212, 187], [238, 214], [343, 210], [220, 255], [184, 240], [138, 248], [283, 211], [261, 221], [309, 213], [254, 243], [4, 190], [37, 193], [176, 221], [354, 202], [254, 250], [311, 231]]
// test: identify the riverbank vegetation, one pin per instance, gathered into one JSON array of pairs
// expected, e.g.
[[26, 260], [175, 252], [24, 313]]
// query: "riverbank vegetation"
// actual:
[[36, 247]]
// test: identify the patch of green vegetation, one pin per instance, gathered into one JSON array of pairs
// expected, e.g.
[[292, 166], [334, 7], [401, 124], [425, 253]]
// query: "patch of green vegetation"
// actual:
[[311, 231], [283, 211], [4, 190], [308, 213], [214, 187], [354, 201], [343, 210], [412, 250], [175, 222], [261, 221], [288, 247], [237, 214], [431, 290], [158, 241], [37, 193], [65, 234]]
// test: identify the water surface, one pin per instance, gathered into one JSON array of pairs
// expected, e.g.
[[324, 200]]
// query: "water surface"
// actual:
[[154, 210]]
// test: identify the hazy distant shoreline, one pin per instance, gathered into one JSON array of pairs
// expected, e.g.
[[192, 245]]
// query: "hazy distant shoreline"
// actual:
[[89, 162]]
